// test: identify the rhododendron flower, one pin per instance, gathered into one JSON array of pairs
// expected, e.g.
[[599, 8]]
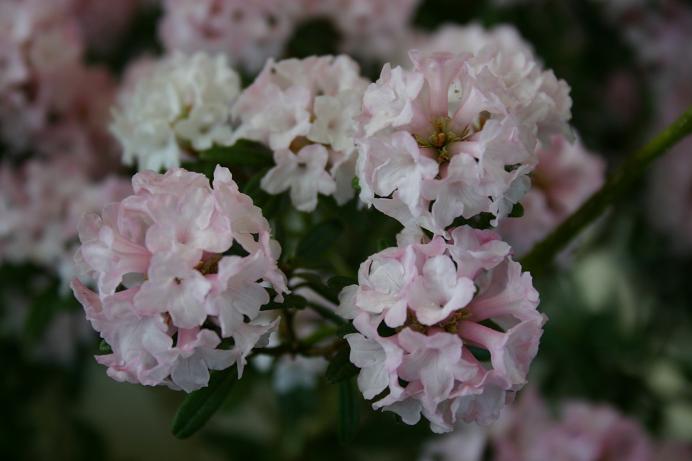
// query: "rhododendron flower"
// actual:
[[305, 110], [465, 127], [582, 432], [175, 298], [50, 102], [247, 33], [371, 29], [40, 214], [566, 175], [178, 104], [532, 93], [422, 311]]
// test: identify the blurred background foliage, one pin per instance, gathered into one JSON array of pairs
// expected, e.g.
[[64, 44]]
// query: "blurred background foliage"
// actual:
[[620, 318]]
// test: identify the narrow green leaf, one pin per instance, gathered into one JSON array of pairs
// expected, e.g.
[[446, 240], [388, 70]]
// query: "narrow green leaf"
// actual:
[[318, 240], [348, 411], [199, 406], [340, 367], [243, 153]]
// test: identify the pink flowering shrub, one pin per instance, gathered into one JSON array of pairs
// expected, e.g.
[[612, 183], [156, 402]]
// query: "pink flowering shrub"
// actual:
[[372, 29], [40, 215], [246, 32], [528, 431], [422, 310], [455, 136], [566, 175], [50, 101], [169, 292], [583, 432], [305, 110]]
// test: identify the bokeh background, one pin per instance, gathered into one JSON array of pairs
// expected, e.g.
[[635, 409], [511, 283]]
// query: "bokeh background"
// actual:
[[620, 328]]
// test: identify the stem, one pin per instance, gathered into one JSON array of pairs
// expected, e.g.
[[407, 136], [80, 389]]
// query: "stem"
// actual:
[[301, 349], [321, 334], [615, 186], [327, 313]]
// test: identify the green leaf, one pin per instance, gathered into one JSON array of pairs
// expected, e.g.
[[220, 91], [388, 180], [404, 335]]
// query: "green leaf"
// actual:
[[104, 348], [340, 367], [318, 240], [348, 411], [199, 406], [340, 282], [243, 153]]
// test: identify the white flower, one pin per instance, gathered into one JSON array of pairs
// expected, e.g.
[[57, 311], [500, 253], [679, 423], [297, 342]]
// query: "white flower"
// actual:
[[303, 173], [179, 103]]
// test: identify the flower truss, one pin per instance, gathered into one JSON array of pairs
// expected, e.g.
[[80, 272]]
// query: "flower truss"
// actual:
[[182, 270], [176, 106], [455, 136], [305, 110], [582, 431], [428, 315]]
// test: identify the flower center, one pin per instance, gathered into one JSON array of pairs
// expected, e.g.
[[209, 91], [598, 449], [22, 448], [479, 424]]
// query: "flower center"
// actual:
[[209, 264], [443, 135], [449, 324]]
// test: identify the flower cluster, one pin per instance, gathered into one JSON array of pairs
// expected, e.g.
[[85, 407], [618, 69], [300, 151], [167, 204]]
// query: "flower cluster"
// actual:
[[251, 32], [566, 175], [428, 315], [182, 271], [371, 29], [40, 215], [48, 96], [456, 135], [178, 104], [246, 32], [305, 110], [583, 431]]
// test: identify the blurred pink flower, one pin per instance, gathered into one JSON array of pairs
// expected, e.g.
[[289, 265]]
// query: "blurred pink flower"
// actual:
[[248, 33], [582, 432], [42, 201], [566, 175]]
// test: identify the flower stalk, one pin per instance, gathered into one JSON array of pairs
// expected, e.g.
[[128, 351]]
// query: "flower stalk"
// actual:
[[624, 177]]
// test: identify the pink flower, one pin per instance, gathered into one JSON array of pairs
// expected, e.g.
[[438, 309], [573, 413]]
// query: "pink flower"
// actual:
[[566, 175], [420, 310], [40, 212], [168, 292], [466, 443], [50, 102], [463, 114], [303, 173], [369, 28], [305, 110], [246, 32], [582, 432]]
